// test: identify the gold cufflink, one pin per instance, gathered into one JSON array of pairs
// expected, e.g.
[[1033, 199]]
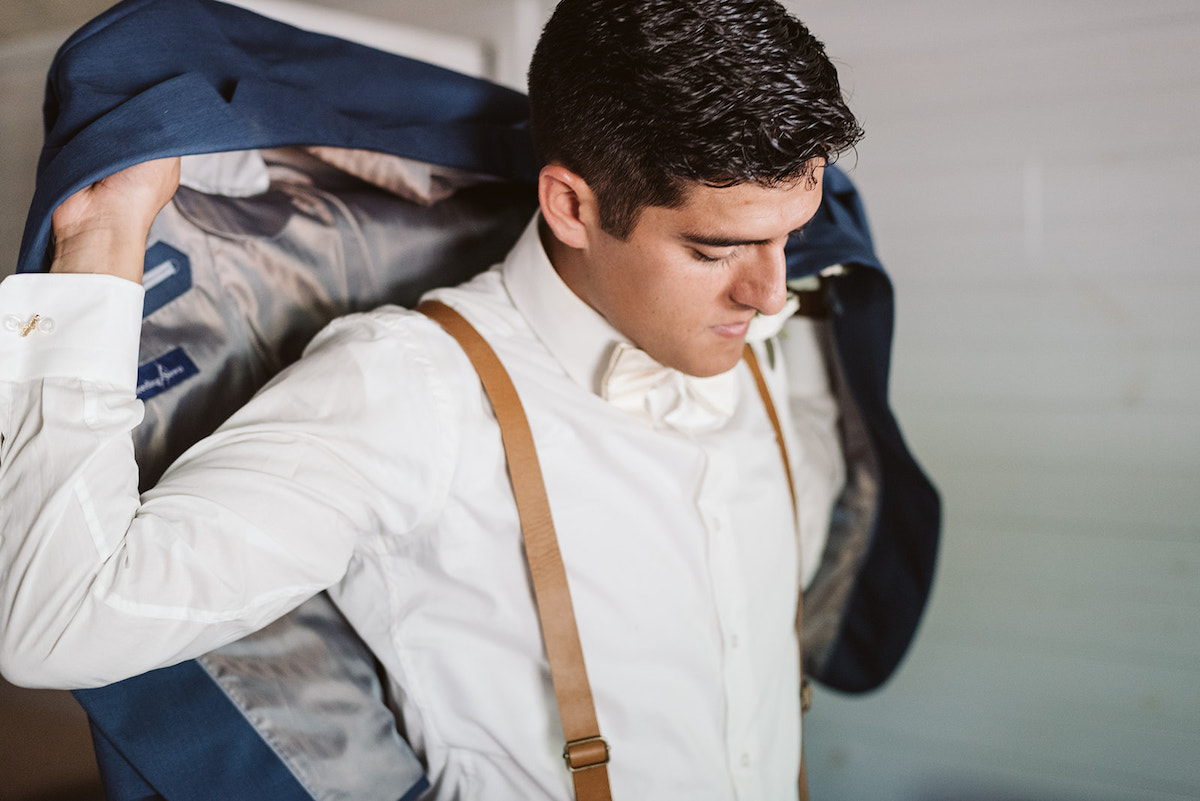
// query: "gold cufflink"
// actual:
[[43, 325]]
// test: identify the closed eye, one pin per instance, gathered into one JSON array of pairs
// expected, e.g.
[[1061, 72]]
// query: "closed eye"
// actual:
[[700, 255]]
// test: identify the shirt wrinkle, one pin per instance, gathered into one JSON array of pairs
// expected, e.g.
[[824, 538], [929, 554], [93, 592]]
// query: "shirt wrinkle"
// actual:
[[444, 405]]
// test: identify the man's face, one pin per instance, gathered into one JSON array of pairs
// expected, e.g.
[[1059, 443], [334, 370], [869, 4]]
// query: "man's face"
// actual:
[[686, 283]]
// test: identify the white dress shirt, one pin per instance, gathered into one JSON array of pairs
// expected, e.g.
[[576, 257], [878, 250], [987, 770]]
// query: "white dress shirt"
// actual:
[[373, 467]]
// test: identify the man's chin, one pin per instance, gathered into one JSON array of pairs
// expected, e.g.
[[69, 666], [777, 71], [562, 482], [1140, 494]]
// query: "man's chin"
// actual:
[[714, 362]]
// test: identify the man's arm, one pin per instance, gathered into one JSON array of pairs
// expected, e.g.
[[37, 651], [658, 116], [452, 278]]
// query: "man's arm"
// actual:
[[97, 584]]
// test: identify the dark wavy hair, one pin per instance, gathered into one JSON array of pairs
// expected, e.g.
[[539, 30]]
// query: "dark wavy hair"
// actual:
[[642, 97]]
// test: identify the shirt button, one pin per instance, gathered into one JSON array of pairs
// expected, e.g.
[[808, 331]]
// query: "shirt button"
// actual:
[[734, 641], [12, 323], [745, 760]]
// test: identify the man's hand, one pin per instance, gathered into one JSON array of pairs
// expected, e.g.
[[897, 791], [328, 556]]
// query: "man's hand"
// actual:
[[103, 228]]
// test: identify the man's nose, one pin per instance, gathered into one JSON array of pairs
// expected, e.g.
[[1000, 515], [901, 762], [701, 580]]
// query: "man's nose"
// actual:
[[762, 281]]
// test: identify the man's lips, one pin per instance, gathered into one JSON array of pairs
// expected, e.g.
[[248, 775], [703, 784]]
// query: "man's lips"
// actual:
[[732, 330]]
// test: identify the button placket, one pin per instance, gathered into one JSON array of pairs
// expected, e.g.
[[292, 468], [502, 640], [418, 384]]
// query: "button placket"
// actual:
[[730, 596]]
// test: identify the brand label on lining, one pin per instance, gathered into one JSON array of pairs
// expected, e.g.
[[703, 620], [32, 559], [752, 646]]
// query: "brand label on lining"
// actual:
[[164, 372]]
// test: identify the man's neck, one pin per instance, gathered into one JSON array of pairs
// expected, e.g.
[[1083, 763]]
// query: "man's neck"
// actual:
[[567, 261]]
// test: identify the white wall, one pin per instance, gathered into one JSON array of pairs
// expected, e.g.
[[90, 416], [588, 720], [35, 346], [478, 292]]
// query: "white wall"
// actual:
[[24, 60], [459, 53], [1030, 169], [510, 28]]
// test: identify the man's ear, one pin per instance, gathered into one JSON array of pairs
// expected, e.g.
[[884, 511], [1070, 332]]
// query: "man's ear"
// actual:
[[568, 205]]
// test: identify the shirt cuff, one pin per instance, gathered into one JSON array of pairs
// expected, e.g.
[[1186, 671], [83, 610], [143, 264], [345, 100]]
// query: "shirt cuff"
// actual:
[[70, 326]]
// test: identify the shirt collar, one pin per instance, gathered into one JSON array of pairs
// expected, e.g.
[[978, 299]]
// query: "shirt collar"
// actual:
[[575, 334]]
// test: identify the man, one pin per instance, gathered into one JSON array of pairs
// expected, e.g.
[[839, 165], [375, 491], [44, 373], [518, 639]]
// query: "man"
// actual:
[[684, 143]]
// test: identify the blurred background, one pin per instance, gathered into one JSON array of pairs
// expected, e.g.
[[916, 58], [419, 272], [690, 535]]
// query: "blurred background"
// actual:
[[1031, 171]]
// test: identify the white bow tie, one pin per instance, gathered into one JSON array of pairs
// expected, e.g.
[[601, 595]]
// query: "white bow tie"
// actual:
[[637, 384]]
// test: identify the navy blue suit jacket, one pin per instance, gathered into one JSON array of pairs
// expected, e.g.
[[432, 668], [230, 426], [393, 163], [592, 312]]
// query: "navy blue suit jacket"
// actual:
[[154, 78]]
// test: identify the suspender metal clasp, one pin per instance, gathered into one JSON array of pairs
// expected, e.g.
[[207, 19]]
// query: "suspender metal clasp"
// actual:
[[590, 752]]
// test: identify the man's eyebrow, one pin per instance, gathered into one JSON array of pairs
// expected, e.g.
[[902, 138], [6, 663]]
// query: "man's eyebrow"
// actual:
[[719, 241], [730, 242]]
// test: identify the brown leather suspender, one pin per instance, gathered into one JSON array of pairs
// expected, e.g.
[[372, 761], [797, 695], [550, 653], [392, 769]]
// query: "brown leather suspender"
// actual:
[[586, 752], [760, 382]]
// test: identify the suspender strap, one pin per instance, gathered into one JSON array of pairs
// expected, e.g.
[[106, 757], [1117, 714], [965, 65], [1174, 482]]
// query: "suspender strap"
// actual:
[[752, 361], [805, 691], [586, 752]]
